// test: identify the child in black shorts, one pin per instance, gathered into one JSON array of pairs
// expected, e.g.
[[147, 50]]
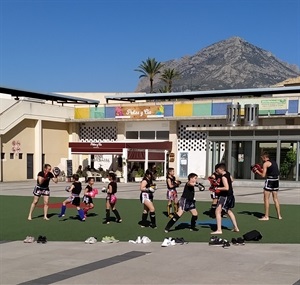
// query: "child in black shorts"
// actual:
[[186, 203], [74, 198], [226, 199]]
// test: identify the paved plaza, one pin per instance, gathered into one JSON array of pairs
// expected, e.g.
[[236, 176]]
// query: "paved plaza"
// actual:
[[127, 263]]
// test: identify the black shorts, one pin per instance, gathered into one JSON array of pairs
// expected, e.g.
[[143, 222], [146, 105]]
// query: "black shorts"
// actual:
[[39, 191], [271, 184], [87, 199], [187, 205], [76, 201], [227, 202]]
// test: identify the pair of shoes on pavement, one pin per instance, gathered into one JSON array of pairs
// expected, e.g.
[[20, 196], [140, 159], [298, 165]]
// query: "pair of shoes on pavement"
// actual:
[[29, 239], [142, 239], [216, 241], [41, 239], [168, 242], [109, 239], [91, 240], [238, 241], [180, 241]]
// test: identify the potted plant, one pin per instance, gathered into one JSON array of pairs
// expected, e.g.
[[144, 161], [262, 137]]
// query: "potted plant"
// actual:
[[139, 175], [159, 173]]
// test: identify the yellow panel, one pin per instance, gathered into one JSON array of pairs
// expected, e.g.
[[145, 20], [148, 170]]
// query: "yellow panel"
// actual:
[[183, 110], [82, 113]]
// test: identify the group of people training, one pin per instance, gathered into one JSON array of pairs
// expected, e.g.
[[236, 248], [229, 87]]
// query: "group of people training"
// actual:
[[222, 195], [42, 189]]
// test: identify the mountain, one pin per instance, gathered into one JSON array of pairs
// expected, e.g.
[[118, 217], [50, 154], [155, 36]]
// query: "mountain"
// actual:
[[229, 64]]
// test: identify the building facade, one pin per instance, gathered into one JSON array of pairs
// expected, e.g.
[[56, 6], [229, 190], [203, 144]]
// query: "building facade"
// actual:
[[189, 135]]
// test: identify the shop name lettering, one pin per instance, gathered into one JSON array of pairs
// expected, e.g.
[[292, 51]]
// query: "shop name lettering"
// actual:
[[95, 145], [141, 113]]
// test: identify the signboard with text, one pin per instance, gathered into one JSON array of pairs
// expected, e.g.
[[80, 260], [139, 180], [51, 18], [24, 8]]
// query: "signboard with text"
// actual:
[[139, 112]]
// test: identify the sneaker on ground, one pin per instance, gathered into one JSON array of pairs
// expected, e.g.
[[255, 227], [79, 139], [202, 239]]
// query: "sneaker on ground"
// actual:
[[226, 243], [240, 241], [106, 239], [88, 240], [30, 239], [172, 242], [112, 238], [217, 242], [146, 239], [39, 240], [138, 240], [166, 242], [26, 240], [61, 216], [92, 240], [44, 239]]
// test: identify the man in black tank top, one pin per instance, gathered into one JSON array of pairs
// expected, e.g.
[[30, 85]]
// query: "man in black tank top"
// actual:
[[271, 172]]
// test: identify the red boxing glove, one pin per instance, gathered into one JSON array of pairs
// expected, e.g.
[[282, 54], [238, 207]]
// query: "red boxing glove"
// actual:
[[213, 181], [217, 191], [256, 167]]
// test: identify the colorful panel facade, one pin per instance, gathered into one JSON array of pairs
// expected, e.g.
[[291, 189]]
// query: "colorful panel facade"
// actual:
[[97, 112], [203, 109], [82, 113], [267, 106], [183, 110]]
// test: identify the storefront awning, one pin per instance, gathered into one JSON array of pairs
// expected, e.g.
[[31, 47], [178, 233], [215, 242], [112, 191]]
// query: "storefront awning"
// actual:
[[136, 150]]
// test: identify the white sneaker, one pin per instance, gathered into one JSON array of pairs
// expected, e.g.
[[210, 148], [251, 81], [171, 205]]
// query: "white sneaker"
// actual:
[[138, 240], [166, 242], [146, 239], [93, 240], [172, 242], [88, 240]]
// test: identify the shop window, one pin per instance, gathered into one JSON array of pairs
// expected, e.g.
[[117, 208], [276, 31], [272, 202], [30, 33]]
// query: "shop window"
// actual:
[[132, 135], [11, 155], [2, 155], [162, 135], [288, 160], [20, 155], [147, 135]]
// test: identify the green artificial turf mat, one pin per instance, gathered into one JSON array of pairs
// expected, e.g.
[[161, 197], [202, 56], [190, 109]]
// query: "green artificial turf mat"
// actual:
[[15, 226]]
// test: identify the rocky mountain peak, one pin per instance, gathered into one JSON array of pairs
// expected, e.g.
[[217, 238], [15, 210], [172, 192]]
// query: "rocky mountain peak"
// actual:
[[233, 63]]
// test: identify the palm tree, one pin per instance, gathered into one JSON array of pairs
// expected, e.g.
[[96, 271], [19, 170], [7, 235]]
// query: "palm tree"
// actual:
[[168, 76], [149, 68]]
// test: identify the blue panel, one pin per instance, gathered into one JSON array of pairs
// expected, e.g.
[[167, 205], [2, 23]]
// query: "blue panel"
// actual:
[[280, 112], [168, 110], [219, 109], [109, 112], [293, 106]]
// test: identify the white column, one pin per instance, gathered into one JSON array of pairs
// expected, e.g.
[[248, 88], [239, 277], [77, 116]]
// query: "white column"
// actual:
[[146, 159], [165, 164], [124, 165], [38, 148]]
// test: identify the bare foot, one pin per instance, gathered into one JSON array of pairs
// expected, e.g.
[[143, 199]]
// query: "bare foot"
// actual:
[[280, 218], [45, 218], [216, 233], [235, 230], [29, 218], [264, 219]]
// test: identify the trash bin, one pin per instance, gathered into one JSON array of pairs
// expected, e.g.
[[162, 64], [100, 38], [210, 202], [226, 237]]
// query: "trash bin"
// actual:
[[251, 114], [234, 114]]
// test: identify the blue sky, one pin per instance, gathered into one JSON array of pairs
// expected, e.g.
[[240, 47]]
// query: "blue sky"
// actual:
[[95, 45]]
